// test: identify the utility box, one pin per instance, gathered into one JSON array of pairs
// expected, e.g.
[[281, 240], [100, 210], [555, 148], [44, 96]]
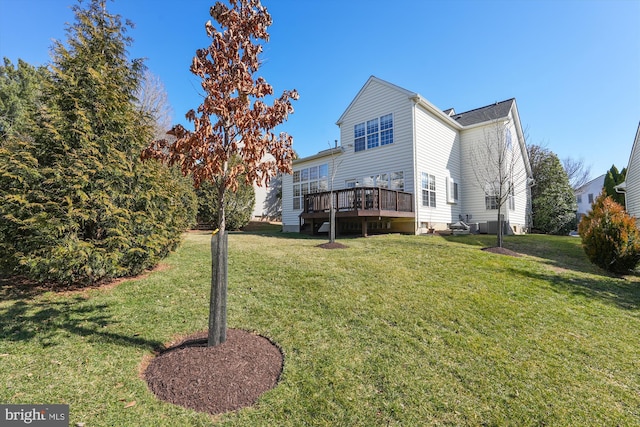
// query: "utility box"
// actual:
[[492, 227]]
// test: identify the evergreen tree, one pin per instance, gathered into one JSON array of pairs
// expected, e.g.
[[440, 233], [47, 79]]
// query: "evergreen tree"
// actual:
[[611, 179], [553, 201], [20, 96], [81, 205], [238, 205]]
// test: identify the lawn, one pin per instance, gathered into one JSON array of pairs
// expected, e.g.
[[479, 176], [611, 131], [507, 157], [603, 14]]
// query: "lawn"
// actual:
[[394, 330]]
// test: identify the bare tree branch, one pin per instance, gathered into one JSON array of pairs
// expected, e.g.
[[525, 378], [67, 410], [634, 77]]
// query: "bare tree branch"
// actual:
[[578, 173], [153, 102]]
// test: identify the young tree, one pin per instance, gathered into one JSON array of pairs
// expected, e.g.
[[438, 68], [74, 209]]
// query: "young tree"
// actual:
[[233, 122], [499, 169]]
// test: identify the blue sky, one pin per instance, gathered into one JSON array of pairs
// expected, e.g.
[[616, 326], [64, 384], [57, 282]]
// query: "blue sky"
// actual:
[[573, 66]]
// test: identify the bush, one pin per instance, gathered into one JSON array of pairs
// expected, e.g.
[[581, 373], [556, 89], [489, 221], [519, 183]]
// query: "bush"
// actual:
[[54, 229], [238, 205], [610, 236]]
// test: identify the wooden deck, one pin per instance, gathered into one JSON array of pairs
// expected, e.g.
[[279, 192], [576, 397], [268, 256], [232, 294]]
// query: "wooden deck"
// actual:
[[360, 203]]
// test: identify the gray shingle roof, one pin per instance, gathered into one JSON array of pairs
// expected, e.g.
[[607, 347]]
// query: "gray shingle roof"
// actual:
[[484, 114]]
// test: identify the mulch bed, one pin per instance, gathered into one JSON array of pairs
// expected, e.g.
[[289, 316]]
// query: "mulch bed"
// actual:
[[334, 245], [501, 251], [216, 379]]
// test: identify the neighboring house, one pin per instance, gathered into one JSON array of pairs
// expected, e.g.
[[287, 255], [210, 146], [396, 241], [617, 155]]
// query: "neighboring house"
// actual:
[[268, 205], [405, 166], [261, 192], [587, 194], [631, 185]]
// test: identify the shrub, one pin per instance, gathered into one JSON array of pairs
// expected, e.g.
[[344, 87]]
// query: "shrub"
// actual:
[[610, 236], [238, 205]]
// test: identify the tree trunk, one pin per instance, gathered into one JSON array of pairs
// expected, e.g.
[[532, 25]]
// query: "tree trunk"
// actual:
[[332, 220], [219, 261], [500, 227]]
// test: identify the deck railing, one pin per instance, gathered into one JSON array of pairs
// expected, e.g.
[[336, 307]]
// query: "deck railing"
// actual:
[[359, 198]]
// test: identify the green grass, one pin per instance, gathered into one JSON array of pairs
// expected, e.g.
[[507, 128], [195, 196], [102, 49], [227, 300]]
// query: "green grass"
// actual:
[[394, 330]]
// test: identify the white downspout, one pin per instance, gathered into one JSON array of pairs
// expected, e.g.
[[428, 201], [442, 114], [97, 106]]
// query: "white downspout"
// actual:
[[415, 168]]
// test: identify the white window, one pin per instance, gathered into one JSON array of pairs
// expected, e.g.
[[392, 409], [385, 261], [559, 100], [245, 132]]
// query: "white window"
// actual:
[[512, 197], [358, 135], [373, 133], [382, 180], [452, 191], [386, 130], [397, 181], [491, 199], [491, 202], [373, 136], [310, 180], [428, 190]]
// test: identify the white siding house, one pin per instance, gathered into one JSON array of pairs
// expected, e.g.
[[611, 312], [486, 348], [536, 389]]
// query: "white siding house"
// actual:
[[404, 165], [631, 185], [587, 194]]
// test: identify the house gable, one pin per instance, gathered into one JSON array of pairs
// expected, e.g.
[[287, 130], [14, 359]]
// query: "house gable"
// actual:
[[372, 81]]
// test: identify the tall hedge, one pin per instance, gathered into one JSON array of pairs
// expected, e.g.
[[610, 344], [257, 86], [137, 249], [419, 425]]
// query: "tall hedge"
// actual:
[[77, 203]]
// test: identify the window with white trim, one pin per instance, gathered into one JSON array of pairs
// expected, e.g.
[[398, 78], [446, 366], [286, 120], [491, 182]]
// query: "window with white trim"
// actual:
[[390, 180], [359, 137], [490, 197], [452, 190], [428, 190], [314, 179], [373, 133], [512, 197], [397, 181]]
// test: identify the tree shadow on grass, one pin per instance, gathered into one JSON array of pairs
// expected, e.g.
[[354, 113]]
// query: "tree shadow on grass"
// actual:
[[50, 322], [555, 251], [622, 294]]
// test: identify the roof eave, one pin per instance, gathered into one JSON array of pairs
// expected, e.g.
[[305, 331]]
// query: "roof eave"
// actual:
[[325, 153], [419, 100]]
